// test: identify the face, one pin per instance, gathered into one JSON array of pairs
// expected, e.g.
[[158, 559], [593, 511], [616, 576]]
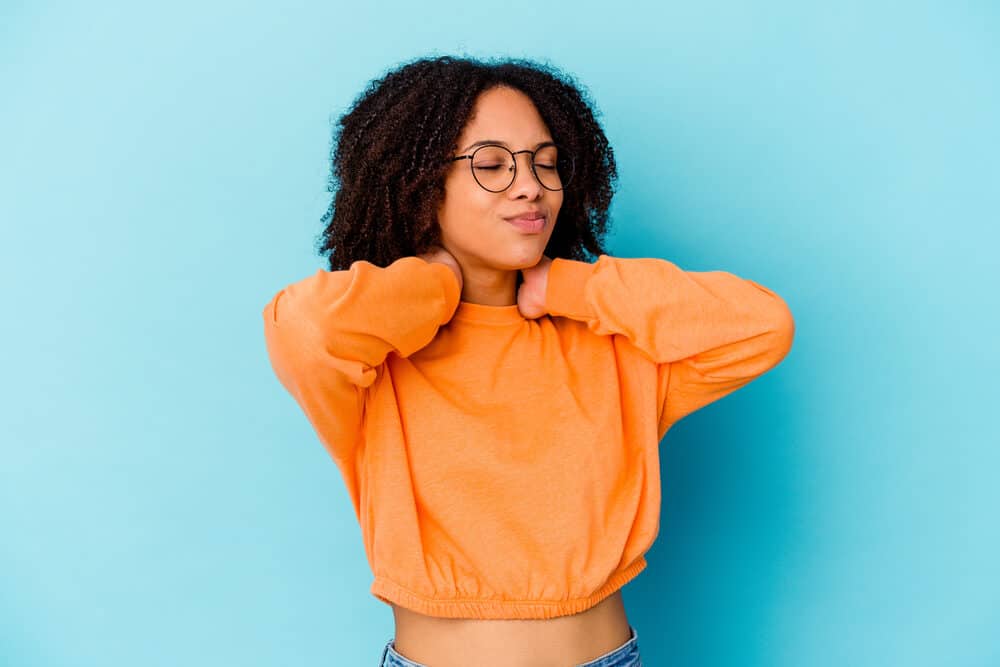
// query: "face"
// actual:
[[472, 219]]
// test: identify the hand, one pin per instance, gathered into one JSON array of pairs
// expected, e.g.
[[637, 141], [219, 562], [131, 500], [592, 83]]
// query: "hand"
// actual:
[[531, 293], [442, 256]]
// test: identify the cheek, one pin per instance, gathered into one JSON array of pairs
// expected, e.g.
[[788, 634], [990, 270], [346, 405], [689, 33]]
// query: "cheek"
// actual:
[[557, 200], [463, 210]]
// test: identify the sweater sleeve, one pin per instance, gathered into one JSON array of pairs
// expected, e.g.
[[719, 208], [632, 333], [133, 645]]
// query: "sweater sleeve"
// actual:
[[709, 332], [327, 335]]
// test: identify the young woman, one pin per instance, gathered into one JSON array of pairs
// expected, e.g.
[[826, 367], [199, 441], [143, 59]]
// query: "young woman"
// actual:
[[493, 400]]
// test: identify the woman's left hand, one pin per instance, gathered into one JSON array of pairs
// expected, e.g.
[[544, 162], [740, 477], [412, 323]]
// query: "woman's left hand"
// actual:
[[531, 293]]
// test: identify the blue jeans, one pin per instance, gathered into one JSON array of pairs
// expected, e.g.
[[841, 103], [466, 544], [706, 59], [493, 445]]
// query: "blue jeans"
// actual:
[[626, 655]]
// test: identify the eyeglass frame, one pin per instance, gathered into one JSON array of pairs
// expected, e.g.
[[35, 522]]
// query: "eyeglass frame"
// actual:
[[514, 155]]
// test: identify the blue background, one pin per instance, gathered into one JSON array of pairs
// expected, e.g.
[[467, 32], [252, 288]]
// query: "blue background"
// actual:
[[164, 502]]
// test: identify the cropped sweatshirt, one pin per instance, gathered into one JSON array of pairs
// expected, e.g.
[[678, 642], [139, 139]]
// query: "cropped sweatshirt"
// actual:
[[503, 467]]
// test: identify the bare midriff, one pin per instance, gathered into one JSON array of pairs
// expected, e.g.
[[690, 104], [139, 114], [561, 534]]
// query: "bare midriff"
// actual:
[[563, 641]]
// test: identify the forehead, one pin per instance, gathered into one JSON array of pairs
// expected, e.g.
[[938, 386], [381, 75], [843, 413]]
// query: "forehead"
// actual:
[[505, 115]]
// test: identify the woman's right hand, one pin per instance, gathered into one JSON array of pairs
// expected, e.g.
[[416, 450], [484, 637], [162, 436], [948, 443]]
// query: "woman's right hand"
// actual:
[[442, 256]]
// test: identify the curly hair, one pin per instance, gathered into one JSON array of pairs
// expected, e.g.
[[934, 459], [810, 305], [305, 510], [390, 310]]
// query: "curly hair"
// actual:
[[390, 152]]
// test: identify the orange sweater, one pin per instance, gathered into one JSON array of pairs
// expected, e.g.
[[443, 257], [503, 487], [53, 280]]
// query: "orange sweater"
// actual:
[[503, 467]]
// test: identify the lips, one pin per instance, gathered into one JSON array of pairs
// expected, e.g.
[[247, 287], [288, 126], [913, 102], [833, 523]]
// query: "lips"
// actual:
[[526, 216], [525, 224]]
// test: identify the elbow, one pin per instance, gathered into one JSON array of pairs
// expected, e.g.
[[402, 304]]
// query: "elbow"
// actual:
[[270, 312], [780, 323], [782, 331]]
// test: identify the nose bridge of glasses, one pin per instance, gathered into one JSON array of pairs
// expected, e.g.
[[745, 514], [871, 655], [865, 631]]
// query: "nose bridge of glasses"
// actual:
[[531, 165]]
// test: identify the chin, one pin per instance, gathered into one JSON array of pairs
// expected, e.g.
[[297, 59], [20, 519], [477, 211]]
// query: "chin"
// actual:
[[525, 258]]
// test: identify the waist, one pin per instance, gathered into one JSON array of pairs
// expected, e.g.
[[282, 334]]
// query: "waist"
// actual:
[[576, 638]]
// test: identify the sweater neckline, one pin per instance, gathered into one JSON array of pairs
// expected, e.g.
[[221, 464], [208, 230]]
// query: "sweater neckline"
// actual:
[[478, 312]]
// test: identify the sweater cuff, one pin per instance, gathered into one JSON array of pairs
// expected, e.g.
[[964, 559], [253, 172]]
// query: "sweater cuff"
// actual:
[[565, 291], [450, 288]]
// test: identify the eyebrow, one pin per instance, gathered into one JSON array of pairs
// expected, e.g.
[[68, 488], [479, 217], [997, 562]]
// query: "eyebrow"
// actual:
[[483, 142]]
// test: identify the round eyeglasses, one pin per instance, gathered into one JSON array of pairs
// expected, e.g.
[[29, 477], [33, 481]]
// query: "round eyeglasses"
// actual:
[[495, 167]]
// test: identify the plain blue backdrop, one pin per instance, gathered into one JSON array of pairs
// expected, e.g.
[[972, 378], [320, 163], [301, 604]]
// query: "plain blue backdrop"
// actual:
[[164, 502]]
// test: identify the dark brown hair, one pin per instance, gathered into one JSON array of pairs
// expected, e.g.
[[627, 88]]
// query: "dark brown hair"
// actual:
[[390, 152]]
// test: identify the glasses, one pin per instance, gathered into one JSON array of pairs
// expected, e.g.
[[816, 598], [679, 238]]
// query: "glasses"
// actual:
[[494, 167]]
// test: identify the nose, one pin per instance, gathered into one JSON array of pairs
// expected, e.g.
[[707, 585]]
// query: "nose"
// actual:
[[525, 183]]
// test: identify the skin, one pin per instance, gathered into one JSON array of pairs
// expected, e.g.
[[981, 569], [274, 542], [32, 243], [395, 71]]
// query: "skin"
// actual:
[[489, 250], [486, 253]]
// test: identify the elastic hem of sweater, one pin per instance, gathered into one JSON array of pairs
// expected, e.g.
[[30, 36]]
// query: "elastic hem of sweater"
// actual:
[[390, 592], [565, 289]]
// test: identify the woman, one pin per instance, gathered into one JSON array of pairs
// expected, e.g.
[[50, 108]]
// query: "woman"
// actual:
[[494, 401]]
